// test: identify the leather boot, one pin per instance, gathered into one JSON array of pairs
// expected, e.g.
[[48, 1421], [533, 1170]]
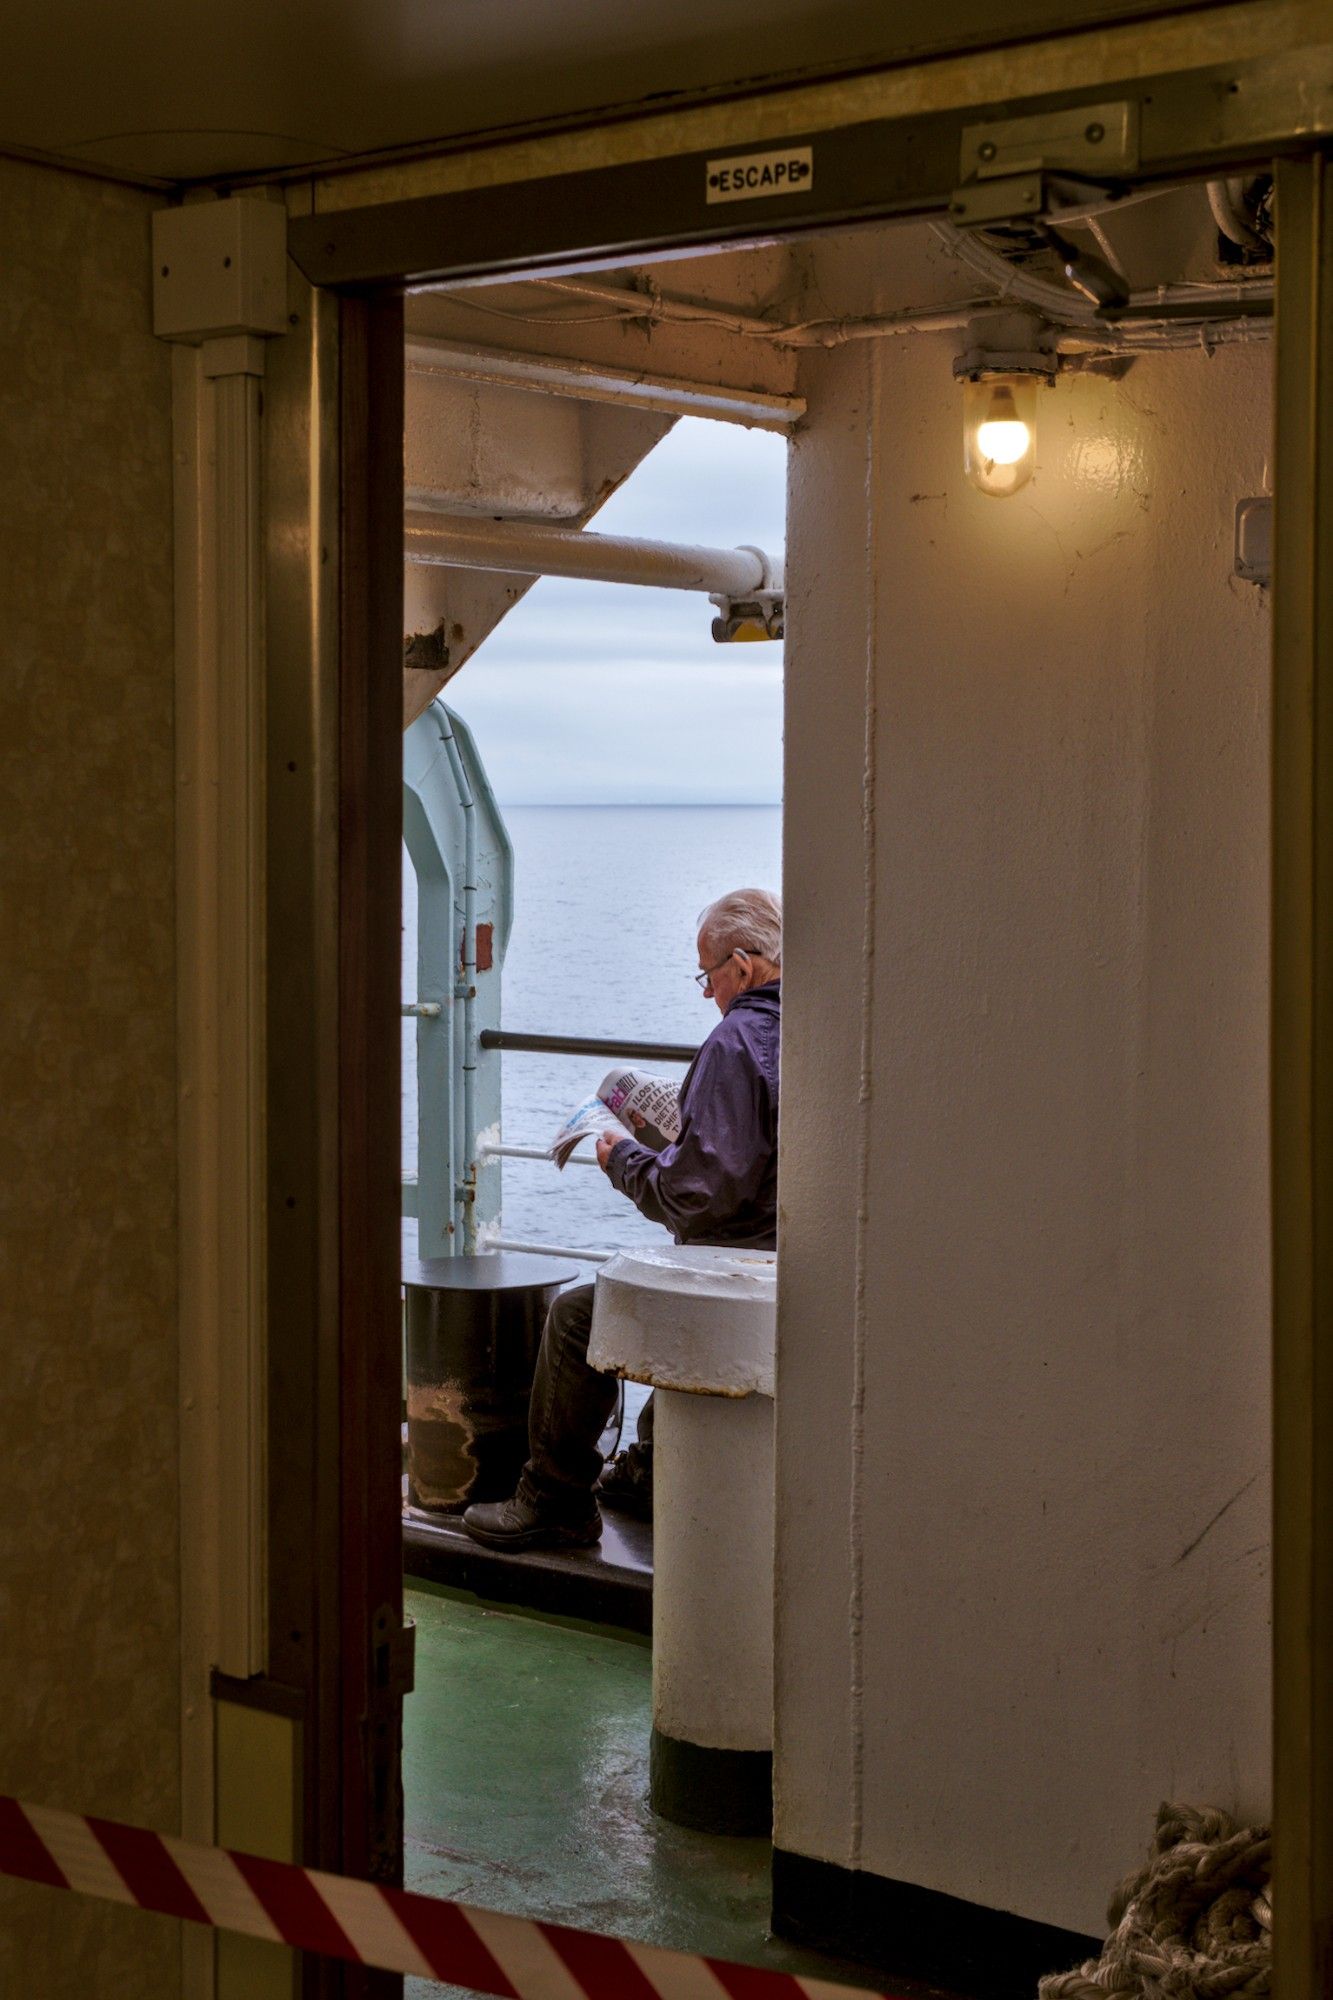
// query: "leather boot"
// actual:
[[517, 1523]]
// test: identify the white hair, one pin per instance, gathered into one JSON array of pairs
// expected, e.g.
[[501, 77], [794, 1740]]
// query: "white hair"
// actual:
[[745, 920]]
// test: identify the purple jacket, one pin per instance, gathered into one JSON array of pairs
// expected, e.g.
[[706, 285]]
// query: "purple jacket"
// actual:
[[718, 1183]]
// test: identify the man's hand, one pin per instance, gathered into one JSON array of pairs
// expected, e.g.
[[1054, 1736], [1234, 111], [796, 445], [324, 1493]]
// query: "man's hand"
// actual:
[[608, 1140]]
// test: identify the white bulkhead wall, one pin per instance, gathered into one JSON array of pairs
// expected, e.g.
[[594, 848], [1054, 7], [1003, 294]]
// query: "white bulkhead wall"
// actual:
[[1022, 1456], [483, 450]]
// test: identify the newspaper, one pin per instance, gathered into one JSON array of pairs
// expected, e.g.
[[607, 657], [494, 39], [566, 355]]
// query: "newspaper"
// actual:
[[627, 1101]]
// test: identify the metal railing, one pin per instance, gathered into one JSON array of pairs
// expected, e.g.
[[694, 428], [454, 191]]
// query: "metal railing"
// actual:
[[555, 1045], [583, 1045], [499, 1152], [552, 1250], [562, 1045]]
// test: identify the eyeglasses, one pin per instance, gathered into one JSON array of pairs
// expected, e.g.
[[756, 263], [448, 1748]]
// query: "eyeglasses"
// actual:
[[703, 980]]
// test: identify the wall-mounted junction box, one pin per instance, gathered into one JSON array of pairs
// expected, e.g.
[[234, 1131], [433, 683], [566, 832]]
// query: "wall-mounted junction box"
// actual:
[[219, 269], [1254, 539]]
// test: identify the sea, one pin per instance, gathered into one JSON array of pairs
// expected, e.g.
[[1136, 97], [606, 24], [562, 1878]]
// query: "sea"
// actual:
[[605, 906]]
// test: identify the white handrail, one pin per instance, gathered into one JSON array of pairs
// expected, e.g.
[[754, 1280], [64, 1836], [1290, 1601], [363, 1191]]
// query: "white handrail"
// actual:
[[552, 1250], [489, 1152]]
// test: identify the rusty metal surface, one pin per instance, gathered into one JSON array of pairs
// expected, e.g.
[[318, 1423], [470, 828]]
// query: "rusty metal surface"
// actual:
[[474, 1325]]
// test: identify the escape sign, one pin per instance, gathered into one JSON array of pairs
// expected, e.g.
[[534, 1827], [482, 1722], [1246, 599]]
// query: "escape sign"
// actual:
[[745, 176]]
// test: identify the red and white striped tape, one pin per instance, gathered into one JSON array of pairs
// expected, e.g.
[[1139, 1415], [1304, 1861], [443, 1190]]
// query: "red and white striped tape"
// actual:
[[395, 1930]]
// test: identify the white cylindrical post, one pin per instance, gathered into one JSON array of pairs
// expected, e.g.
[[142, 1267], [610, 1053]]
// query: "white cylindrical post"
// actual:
[[698, 1324], [712, 1750]]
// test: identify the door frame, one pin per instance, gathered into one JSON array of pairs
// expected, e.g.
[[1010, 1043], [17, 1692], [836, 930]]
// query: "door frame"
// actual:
[[1301, 1094], [338, 1660], [366, 239]]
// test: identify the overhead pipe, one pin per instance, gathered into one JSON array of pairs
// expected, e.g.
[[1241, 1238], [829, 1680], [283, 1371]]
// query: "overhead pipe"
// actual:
[[655, 306], [1064, 307], [1061, 305], [521, 548], [1058, 302], [1226, 199]]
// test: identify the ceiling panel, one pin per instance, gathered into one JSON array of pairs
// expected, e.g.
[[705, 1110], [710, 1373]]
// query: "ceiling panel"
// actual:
[[205, 90]]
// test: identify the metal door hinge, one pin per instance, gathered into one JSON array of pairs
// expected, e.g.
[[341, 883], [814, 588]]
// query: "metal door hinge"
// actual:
[[394, 1652], [392, 1671]]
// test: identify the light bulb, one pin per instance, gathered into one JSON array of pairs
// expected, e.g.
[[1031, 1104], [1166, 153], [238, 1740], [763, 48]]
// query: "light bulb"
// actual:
[[999, 432], [1002, 439]]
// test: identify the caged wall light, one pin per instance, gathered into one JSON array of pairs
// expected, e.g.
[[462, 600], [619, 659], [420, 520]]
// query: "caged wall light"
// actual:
[[1001, 370], [999, 431]]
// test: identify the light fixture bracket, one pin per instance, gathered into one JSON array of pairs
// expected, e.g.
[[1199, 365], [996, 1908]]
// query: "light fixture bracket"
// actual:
[[1008, 341], [1012, 154], [1054, 162], [1035, 196], [975, 363]]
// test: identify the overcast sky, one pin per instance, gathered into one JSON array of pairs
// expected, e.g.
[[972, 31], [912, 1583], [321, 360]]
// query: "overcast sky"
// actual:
[[578, 668]]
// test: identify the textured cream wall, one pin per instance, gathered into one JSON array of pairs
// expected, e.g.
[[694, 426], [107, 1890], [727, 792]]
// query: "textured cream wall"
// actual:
[[88, 1549], [1023, 1356]]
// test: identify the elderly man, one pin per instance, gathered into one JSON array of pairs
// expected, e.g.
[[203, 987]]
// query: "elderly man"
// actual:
[[717, 1183]]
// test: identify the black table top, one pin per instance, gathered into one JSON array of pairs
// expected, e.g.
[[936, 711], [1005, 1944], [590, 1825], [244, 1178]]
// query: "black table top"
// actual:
[[502, 1271]]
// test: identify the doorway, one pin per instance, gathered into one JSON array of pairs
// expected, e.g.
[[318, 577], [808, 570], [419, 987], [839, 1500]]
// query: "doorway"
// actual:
[[857, 849], [897, 294], [635, 759]]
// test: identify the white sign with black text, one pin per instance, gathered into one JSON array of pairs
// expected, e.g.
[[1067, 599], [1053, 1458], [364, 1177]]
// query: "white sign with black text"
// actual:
[[747, 176]]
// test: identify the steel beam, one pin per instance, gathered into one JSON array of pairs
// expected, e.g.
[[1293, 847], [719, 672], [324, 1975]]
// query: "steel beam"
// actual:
[[1213, 120]]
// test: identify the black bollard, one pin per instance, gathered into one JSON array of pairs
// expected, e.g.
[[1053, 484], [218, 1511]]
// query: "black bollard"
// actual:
[[474, 1325]]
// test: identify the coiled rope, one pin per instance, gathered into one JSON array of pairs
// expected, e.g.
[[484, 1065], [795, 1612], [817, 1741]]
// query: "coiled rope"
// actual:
[[1195, 1923]]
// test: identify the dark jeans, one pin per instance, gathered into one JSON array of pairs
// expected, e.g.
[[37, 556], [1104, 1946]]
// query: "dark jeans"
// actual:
[[570, 1407]]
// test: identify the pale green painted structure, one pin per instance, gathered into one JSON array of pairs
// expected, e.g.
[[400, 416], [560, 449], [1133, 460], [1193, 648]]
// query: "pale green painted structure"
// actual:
[[460, 850]]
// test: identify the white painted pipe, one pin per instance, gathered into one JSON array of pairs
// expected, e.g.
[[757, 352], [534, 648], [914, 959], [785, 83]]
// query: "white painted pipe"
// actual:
[[654, 306], [519, 548], [659, 305], [1064, 307]]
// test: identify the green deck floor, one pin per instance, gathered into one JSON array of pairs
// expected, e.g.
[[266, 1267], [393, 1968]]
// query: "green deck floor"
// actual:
[[525, 1768]]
